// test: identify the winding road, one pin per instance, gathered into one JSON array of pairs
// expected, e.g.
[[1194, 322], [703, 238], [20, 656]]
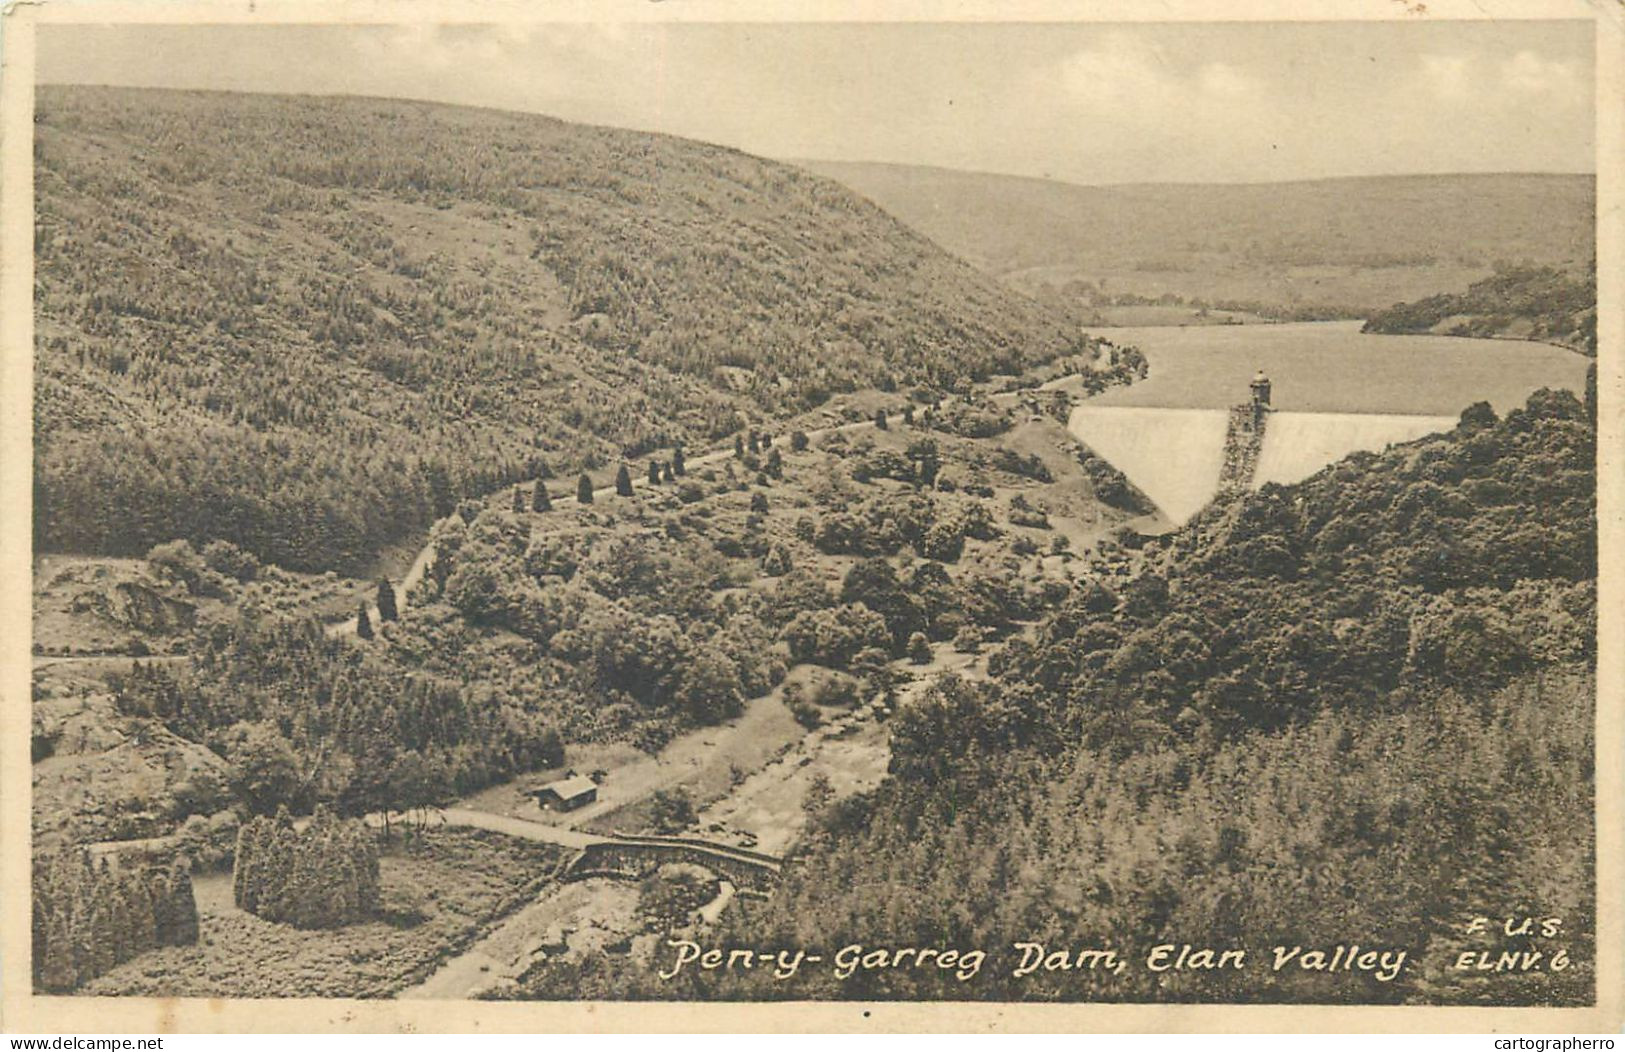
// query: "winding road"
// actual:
[[425, 557]]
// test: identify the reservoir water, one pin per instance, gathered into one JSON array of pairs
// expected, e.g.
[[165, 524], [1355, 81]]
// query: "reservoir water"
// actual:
[[1331, 367]]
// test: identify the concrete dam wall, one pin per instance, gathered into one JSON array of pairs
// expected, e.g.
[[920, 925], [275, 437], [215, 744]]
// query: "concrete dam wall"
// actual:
[[1296, 445], [1173, 455], [1180, 458]]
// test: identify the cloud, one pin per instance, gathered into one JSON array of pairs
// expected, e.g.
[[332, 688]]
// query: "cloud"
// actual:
[[1530, 74], [1121, 71], [1124, 74]]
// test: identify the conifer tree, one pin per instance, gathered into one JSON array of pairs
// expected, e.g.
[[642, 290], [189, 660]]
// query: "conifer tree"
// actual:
[[58, 973], [739, 447], [182, 905], [798, 441], [777, 562], [539, 500], [101, 935], [654, 473], [139, 923], [755, 443], [584, 489], [518, 500], [880, 420], [908, 414], [678, 468], [81, 940], [387, 610], [363, 623], [665, 472], [242, 867], [775, 464], [623, 482]]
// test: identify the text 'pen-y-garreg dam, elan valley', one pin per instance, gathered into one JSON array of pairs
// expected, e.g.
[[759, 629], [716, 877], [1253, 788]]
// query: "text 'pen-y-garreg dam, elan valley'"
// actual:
[[1244, 405]]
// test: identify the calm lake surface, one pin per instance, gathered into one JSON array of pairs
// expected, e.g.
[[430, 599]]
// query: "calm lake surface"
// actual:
[[1331, 367]]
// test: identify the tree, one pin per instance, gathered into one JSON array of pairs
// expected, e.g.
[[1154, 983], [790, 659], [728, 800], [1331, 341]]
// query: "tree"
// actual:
[[666, 472], [584, 489], [755, 443], [184, 564], [874, 583], [880, 420], [671, 811], [416, 784], [777, 562], [264, 770], [180, 906], [623, 482], [908, 414], [654, 473], [58, 972], [518, 500], [739, 447], [758, 502], [819, 795], [798, 441], [363, 623], [774, 465], [944, 542], [322, 877], [387, 608], [1477, 416], [919, 649], [677, 466], [710, 690], [539, 500]]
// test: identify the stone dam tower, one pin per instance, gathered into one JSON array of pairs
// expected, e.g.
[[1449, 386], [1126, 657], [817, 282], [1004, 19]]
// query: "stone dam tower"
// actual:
[[1244, 437]]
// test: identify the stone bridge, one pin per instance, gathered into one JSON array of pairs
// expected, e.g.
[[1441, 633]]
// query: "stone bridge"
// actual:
[[635, 857]]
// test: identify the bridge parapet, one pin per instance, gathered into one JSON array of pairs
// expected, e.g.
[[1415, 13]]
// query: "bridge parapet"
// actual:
[[633, 858]]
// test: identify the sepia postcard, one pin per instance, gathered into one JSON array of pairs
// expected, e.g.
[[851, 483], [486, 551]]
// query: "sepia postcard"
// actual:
[[812, 516]]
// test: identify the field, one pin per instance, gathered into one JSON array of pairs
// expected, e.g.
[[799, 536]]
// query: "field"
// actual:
[[1331, 367], [438, 897], [1353, 244]]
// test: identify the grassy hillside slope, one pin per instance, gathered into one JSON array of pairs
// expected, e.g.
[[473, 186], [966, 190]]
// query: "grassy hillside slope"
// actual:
[[310, 325], [1352, 244]]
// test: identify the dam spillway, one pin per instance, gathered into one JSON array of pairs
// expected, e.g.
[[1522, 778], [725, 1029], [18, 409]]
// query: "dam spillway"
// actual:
[[1296, 445], [1178, 457], [1174, 456]]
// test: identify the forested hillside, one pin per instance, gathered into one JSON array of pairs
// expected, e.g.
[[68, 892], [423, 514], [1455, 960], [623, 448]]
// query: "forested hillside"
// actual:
[[309, 326], [1358, 708], [1327, 247], [1524, 303]]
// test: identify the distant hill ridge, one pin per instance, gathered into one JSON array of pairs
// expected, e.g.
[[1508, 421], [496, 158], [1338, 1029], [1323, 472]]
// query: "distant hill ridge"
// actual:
[[311, 325], [1356, 243]]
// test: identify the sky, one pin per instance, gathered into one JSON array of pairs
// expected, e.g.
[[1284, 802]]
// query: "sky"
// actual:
[[1085, 103]]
